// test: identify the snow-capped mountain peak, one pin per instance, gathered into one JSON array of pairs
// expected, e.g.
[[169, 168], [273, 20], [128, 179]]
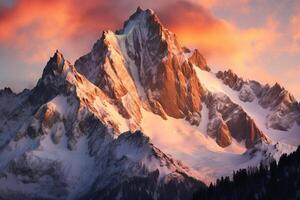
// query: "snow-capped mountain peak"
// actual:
[[67, 135], [138, 113], [145, 59]]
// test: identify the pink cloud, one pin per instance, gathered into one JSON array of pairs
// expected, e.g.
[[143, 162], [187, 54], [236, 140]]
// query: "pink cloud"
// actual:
[[33, 29]]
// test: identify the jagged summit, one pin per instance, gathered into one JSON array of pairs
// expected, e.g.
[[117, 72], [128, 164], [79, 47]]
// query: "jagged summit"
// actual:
[[148, 17], [6, 90], [145, 59], [285, 110], [139, 9], [55, 65], [57, 60], [198, 60]]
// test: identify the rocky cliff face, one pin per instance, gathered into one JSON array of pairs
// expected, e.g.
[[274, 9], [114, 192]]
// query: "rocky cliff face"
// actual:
[[228, 120], [231, 79], [283, 106], [198, 60], [145, 59]]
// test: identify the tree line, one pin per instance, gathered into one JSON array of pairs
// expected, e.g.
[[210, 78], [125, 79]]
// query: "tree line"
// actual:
[[274, 181]]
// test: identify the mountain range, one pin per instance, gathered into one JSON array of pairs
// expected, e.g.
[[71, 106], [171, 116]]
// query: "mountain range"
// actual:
[[138, 117]]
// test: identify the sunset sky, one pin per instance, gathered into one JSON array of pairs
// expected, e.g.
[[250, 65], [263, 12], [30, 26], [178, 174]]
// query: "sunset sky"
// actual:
[[258, 39]]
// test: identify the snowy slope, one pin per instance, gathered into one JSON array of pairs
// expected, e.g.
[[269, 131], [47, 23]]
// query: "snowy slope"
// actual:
[[73, 145], [132, 66], [191, 145], [257, 112]]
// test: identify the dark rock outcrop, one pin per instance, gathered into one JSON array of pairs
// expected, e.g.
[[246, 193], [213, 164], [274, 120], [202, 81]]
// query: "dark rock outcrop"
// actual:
[[284, 109], [198, 60], [223, 135], [238, 124], [231, 79]]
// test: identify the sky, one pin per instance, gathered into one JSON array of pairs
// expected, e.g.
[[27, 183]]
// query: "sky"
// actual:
[[257, 39]]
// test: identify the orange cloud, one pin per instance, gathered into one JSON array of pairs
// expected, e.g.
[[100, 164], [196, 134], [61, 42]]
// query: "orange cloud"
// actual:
[[221, 42], [38, 28], [35, 28], [35, 15], [240, 6]]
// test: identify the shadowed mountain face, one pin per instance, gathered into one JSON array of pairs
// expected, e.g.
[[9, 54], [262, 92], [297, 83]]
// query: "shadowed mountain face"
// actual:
[[137, 117]]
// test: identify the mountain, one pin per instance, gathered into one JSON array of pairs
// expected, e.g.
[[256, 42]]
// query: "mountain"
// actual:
[[283, 106], [143, 62], [139, 116], [67, 145]]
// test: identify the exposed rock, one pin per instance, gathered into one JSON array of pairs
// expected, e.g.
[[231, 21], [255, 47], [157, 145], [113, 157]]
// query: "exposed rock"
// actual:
[[52, 81], [240, 125], [156, 107], [198, 60], [9, 103], [284, 110], [223, 135], [6, 91], [194, 118], [246, 94], [276, 96], [31, 168], [49, 116], [186, 50], [218, 129], [118, 64], [231, 79], [33, 131], [177, 93], [256, 87]]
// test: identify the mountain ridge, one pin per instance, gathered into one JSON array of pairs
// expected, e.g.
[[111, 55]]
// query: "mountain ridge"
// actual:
[[137, 113]]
